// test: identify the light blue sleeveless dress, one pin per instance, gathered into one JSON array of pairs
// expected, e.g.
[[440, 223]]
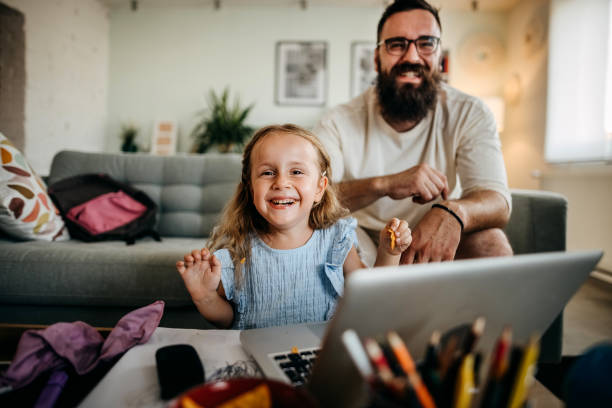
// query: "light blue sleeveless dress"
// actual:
[[290, 286]]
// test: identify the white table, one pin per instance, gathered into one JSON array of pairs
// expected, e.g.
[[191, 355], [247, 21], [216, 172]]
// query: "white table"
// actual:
[[132, 382]]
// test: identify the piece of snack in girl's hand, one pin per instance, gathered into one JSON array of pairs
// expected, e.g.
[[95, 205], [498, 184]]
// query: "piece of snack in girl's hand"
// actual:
[[392, 238]]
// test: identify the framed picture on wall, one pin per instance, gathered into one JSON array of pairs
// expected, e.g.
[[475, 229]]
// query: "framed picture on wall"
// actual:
[[444, 65], [163, 142], [363, 71], [301, 73]]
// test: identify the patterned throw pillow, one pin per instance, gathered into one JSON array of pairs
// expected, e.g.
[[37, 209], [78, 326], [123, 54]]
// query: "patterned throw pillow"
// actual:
[[26, 211]]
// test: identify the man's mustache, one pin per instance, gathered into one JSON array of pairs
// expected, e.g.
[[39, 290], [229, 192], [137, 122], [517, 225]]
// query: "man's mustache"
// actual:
[[407, 66]]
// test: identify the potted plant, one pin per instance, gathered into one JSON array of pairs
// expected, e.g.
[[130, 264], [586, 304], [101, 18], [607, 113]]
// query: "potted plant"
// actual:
[[222, 125], [129, 132]]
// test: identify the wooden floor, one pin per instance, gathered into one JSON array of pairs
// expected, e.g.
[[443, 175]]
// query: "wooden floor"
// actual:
[[588, 317], [587, 321]]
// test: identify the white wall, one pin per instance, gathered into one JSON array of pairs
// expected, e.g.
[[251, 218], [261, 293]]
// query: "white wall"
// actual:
[[466, 35], [589, 220], [165, 59], [526, 74], [66, 77]]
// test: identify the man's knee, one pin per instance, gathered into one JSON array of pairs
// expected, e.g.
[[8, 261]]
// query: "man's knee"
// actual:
[[486, 243]]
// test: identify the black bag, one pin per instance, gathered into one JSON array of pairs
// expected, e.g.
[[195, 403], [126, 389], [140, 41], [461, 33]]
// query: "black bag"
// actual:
[[75, 194]]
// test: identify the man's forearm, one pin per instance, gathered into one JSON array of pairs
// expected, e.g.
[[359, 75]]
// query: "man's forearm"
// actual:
[[357, 194], [480, 210]]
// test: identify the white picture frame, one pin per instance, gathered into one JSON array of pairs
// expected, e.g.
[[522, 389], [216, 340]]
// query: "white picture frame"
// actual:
[[163, 142], [301, 73], [363, 68]]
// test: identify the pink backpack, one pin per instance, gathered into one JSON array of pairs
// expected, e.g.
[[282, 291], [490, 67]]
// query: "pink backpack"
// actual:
[[96, 207]]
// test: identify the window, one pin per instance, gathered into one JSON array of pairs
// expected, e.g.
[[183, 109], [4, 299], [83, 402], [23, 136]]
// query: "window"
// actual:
[[579, 113], [608, 110]]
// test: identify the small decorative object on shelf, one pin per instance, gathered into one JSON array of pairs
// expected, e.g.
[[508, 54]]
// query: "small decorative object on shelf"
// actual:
[[163, 142], [129, 132], [222, 125]]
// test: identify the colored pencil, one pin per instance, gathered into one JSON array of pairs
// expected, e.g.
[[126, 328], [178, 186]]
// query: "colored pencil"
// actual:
[[407, 363], [358, 355], [382, 367], [524, 375]]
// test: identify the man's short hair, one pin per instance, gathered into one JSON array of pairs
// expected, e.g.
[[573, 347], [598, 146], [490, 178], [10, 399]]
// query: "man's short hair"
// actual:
[[406, 5]]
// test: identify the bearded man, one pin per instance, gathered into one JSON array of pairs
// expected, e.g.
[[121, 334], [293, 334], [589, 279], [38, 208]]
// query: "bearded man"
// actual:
[[414, 148]]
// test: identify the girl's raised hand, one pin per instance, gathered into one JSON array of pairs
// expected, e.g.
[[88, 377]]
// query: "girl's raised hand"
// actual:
[[201, 272], [395, 237]]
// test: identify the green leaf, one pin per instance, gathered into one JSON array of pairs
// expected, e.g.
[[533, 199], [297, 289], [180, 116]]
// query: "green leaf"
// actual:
[[222, 123]]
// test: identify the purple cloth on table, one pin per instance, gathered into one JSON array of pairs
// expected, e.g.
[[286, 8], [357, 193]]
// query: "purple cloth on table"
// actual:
[[79, 345]]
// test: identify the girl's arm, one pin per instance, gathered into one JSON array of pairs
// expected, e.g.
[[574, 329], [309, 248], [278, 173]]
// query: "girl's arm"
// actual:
[[352, 262], [395, 238], [201, 273], [216, 309]]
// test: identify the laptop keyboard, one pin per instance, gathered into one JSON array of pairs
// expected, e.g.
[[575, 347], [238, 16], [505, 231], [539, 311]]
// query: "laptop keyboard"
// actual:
[[296, 364]]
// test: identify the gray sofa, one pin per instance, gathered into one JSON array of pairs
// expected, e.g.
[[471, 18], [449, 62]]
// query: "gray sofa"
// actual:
[[46, 282]]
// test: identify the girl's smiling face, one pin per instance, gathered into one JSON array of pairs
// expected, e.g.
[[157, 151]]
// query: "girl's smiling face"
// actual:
[[286, 180]]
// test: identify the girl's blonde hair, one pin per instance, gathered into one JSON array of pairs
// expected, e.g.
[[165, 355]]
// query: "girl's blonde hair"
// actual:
[[240, 217]]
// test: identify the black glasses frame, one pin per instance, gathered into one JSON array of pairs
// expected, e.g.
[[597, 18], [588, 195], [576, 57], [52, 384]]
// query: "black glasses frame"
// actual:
[[407, 42]]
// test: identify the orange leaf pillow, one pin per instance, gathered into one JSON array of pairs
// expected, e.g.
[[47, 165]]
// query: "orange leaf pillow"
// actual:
[[26, 211]]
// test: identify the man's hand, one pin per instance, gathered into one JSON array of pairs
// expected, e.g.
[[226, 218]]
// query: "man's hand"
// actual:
[[422, 182], [434, 239]]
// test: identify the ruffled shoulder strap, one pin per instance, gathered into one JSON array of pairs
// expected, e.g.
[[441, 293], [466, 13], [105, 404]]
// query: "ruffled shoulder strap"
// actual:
[[227, 272], [343, 238]]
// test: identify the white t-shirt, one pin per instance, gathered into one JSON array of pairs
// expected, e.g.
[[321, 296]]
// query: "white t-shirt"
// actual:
[[459, 138]]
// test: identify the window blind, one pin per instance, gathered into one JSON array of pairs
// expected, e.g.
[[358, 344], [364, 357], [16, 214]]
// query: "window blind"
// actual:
[[579, 100]]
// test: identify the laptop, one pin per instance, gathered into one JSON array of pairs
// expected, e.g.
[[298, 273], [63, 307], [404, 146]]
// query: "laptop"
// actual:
[[524, 291]]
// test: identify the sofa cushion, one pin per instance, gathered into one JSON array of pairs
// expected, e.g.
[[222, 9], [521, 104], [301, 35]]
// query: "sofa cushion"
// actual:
[[537, 222], [107, 273], [190, 190], [26, 211]]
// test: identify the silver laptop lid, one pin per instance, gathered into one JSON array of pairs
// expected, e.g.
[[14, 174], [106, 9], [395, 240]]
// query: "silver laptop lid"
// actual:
[[524, 291]]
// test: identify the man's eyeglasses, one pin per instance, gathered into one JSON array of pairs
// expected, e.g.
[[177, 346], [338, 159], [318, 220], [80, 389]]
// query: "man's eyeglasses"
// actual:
[[425, 45]]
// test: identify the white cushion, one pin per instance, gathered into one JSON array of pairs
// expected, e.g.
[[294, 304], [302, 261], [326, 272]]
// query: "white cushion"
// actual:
[[26, 211]]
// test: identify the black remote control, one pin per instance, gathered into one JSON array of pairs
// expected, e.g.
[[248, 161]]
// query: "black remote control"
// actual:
[[178, 369]]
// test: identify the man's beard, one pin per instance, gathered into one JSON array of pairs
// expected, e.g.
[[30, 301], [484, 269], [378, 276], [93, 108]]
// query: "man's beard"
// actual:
[[407, 102]]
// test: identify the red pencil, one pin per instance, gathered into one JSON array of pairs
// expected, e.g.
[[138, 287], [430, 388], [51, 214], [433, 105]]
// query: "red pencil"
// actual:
[[382, 366]]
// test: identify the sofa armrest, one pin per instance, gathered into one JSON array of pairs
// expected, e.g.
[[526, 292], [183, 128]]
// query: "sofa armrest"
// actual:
[[538, 224], [538, 221]]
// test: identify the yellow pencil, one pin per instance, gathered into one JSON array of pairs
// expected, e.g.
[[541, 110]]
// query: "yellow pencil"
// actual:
[[524, 374], [465, 382]]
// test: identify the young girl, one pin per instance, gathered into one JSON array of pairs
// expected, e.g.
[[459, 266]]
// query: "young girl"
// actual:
[[282, 247]]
